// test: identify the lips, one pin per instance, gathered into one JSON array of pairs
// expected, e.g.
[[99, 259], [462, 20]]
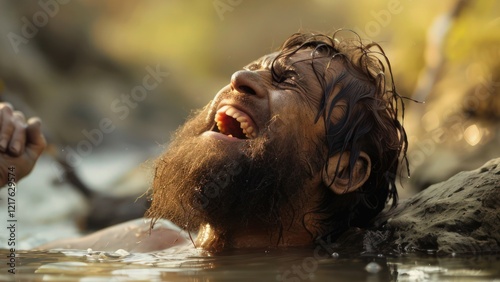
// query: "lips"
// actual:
[[235, 123]]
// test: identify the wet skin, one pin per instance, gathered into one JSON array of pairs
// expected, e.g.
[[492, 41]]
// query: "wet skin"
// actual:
[[254, 99]]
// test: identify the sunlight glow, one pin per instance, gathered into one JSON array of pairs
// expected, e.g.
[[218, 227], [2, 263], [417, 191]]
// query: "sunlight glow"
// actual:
[[473, 135]]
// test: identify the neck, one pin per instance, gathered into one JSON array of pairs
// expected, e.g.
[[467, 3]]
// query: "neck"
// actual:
[[300, 231]]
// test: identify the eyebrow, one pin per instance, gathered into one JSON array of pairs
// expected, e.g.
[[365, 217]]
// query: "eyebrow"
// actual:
[[304, 78], [268, 59]]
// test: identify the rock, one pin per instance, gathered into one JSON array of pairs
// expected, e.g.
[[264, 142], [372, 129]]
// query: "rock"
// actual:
[[457, 216]]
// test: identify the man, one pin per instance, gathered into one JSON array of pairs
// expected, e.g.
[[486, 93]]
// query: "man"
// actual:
[[300, 145]]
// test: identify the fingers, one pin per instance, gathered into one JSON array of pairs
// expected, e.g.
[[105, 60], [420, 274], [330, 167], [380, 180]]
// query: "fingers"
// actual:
[[16, 144], [6, 128], [12, 126], [16, 135], [35, 140]]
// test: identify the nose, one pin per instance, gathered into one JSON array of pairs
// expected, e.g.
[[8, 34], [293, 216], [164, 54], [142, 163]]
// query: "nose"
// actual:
[[248, 82]]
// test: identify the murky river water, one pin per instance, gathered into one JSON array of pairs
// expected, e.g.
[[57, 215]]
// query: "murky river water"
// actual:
[[39, 206], [291, 265]]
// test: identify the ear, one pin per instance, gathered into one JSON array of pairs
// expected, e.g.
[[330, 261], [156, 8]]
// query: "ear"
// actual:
[[345, 179]]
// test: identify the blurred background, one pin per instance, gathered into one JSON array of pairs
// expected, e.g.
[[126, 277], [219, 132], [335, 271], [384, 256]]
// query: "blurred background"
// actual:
[[72, 62]]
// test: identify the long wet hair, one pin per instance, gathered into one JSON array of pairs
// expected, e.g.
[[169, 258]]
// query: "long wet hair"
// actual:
[[370, 122]]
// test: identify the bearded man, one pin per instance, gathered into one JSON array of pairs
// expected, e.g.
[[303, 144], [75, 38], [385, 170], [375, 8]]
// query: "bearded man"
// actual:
[[301, 144]]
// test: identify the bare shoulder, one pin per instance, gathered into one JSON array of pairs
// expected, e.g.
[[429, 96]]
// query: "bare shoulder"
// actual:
[[132, 236]]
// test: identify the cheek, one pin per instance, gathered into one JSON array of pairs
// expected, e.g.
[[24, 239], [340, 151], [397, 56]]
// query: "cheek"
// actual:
[[211, 107], [296, 115], [290, 104]]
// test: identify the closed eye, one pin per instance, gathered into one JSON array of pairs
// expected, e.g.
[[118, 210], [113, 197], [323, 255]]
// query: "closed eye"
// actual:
[[290, 77]]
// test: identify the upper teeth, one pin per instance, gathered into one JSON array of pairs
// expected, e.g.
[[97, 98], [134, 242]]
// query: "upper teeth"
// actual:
[[246, 124]]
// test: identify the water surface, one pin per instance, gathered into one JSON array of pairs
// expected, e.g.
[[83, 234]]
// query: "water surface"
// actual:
[[261, 265]]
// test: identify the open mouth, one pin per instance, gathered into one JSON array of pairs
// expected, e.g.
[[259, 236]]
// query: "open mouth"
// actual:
[[234, 123]]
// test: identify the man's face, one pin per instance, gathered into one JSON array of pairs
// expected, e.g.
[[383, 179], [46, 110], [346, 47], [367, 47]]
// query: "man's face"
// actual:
[[252, 157], [246, 107]]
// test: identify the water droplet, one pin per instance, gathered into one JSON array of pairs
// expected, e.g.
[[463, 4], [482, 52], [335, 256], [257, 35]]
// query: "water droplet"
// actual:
[[335, 255], [373, 267]]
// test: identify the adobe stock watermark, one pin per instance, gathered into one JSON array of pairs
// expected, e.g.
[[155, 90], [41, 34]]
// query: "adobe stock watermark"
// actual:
[[121, 107], [220, 181], [224, 6], [30, 28], [380, 19]]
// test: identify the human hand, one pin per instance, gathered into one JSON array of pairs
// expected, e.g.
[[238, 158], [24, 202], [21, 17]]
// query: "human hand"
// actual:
[[21, 143]]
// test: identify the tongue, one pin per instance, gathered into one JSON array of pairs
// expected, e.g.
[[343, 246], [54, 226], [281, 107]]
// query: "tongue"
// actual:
[[232, 127]]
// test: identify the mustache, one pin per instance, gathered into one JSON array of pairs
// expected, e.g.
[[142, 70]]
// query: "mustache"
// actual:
[[260, 114]]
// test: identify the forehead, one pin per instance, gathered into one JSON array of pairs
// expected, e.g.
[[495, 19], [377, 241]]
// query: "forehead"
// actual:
[[265, 62]]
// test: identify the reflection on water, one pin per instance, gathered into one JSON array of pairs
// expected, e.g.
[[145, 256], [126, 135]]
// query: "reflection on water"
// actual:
[[292, 265]]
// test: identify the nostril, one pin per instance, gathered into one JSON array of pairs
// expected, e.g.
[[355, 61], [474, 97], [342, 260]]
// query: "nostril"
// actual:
[[246, 90], [248, 82]]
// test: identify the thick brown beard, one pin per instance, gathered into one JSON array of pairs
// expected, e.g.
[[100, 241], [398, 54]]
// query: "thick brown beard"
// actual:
[[199, 180]]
